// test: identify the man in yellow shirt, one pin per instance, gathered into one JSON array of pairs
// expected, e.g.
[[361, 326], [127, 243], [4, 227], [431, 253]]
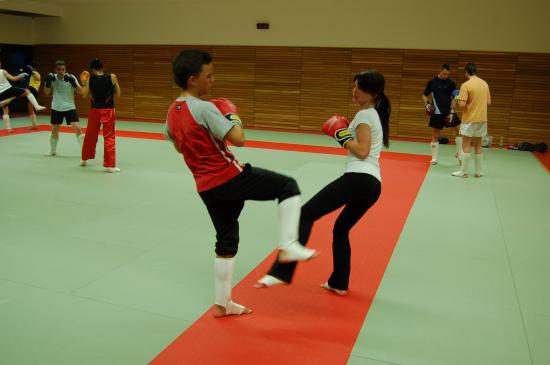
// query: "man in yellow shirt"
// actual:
[[473, 99]]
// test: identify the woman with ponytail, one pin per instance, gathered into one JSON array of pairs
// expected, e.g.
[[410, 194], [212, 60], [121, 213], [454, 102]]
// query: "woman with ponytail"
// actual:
[[356, 190]]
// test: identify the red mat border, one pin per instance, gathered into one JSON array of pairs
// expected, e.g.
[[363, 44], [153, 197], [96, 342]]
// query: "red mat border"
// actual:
[[294, 147], [544, 159], [270, 129]]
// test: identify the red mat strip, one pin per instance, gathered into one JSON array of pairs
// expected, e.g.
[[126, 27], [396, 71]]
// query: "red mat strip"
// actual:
[[544, 159], [301, 323]]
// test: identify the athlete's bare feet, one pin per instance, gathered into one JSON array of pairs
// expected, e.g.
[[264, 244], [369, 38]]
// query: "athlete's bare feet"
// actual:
[[336, 291]]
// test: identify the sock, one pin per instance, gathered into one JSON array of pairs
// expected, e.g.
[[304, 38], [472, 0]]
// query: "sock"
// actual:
[[6, 118], [80, 138], [435, 148], [465, 162], [33, 101], [267, 281], [479, 158], [53, 144], [458, 142], [223, 275], [289, 219]]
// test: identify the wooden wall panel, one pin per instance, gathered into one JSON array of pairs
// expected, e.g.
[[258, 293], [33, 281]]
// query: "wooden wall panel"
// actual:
[[390, 63], [152, 81], [277, 87], [529, 117], [299, 87], [419, 66], [235, 72], [325, 85]]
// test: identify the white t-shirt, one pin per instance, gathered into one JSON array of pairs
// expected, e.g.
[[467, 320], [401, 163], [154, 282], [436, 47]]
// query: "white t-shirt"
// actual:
[[369, 165], [4, 83], [63, 95]]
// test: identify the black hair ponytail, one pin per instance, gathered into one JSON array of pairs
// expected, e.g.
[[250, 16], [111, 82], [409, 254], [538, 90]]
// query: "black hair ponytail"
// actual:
[[383, 107], [373, 82]]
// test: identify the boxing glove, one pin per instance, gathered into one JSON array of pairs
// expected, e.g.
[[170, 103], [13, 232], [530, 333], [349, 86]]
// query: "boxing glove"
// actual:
[[454, 94], [28, 69], [84, 77], [337, 127], [71, 80], [452, 120], [228, 110], [49, 79], [429, 108]]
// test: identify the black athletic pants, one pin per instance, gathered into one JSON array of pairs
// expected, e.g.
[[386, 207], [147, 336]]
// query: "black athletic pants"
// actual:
[[357, 192], [225, 202]]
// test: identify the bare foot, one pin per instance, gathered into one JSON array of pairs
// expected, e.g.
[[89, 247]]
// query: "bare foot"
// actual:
[[336, 291], [220, 311]]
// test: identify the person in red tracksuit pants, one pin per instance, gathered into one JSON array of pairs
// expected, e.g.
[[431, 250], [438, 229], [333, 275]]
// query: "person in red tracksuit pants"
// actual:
[[103, 88]]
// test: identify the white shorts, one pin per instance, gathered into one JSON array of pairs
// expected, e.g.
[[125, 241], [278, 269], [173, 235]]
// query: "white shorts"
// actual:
[[473, 129]]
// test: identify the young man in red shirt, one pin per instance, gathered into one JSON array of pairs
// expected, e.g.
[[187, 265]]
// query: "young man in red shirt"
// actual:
[[198, 129]]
